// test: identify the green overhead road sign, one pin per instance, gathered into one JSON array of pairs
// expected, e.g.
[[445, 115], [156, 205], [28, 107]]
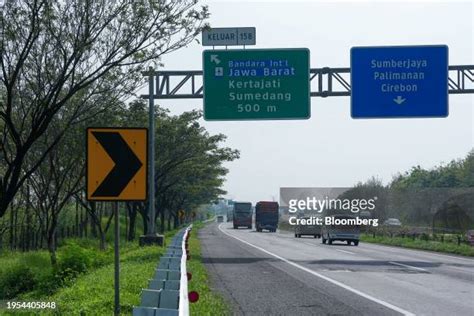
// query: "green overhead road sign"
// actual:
[[256, 84]]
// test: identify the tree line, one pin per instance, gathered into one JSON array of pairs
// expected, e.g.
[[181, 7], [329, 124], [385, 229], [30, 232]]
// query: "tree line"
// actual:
[[67, 65], [52, 203], [417, 195]]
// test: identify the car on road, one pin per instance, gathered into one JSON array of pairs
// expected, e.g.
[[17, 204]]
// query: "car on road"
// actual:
[[339, 230], [242, 215], [266, 216], [307, 230], [220, 218], [392, 222]]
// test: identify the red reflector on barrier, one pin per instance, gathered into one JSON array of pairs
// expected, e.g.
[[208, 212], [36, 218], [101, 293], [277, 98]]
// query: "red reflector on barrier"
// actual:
[[193, 296]]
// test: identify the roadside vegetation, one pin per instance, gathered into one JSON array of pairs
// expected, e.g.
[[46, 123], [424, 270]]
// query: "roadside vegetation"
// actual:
[[93, 293], [68, 66], [422, 244], [433, 209], [84, 279], [210, 302]]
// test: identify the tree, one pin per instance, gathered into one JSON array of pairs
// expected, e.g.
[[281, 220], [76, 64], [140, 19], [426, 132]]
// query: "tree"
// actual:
[[96, 212], [457, 173], [370, 189], [189, 158], [59, 57], [466, 171], [418, 193], [57, 179], [188, 163]]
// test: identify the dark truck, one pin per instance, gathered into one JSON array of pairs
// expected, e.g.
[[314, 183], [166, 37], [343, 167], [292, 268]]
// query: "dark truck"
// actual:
[[266, 216], [242, 214]]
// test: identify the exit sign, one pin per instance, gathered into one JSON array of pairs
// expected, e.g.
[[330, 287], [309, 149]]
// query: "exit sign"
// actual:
[[257, 84], [228, 36]]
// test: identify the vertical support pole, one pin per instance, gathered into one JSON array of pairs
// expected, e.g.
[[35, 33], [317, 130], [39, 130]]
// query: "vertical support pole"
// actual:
[[151, 150], [116, 259]]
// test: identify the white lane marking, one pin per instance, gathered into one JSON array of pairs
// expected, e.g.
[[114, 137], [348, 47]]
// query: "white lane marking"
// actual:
[[406, 266], [345, 251], [349, 252], [367, 296]]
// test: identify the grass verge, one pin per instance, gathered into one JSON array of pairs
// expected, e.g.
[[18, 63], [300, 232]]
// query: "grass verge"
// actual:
[[210, 303], [464, 250], [92, 293]]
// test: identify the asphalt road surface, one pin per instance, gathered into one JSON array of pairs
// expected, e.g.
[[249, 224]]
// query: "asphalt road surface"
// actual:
[[277, 274]]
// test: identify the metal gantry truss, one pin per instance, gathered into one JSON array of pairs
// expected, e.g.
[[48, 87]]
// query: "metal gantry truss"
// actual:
[[325, 82]]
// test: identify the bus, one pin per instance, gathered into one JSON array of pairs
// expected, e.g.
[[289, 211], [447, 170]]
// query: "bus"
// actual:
[[242, 215]]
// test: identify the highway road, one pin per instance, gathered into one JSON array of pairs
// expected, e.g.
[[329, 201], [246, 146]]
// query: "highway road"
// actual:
[[277, 274]]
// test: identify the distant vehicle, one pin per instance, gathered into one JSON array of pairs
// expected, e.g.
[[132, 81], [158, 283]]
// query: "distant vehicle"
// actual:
[[229, 215], [392, 222], [470, 237], [266, 216], [347, 233], [311, 230], [220, 218], [242, 215]]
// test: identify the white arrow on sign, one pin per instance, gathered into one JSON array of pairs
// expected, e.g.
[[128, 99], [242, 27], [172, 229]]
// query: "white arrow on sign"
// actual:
[[215, 59], [399, 100]]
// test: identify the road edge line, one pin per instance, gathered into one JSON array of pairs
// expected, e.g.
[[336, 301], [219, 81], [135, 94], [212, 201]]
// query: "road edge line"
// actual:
[[346, 287]]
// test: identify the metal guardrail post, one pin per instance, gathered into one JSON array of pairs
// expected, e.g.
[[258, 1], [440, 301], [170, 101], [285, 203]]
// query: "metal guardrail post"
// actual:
[[183, 289]]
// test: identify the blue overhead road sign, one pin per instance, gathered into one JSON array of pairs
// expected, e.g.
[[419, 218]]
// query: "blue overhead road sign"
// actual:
[[399, 81]]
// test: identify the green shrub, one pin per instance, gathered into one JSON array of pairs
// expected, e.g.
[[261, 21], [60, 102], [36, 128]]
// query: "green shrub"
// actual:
[[425, 237], [15, 280], [93, 293], [73, 260]]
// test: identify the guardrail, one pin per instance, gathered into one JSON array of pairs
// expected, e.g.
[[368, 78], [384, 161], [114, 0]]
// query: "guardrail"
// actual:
[[167, 292]]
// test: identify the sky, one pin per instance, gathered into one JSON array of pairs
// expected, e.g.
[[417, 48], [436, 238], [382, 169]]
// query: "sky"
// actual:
[[331, 149]]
